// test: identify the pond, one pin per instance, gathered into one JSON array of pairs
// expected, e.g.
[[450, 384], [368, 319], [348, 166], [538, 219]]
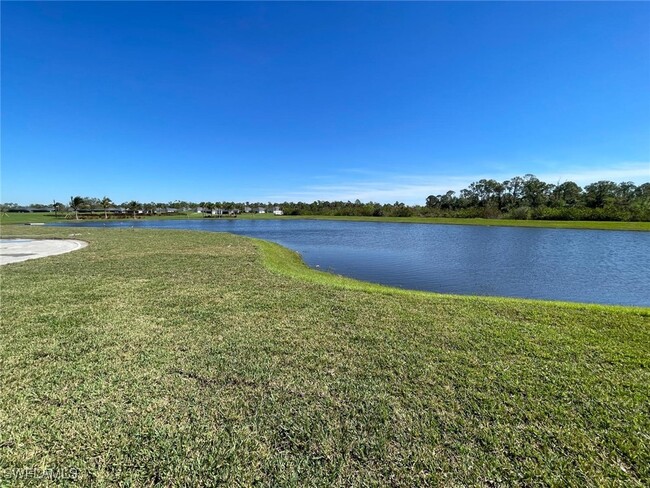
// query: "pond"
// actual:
[[609, 267]]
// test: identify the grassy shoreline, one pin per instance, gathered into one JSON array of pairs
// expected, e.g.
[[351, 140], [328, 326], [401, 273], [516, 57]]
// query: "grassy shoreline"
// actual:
[[185, 357], [288, 263], [551, 224]]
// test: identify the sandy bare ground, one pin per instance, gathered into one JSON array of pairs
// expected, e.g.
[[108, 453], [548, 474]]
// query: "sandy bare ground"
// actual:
[[17, 250]]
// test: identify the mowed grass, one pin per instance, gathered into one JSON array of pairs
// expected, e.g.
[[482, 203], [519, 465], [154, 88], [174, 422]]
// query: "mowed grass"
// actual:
[[62, 217], [553, 224], [20, 218], [189, 359]]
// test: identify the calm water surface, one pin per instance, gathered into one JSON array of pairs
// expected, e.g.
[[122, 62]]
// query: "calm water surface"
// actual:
[[556, 264]]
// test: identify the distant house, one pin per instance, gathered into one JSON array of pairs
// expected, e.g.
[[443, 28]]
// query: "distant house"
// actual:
[[247, 209], [200, 209], [30, 209], [277, 211], [217, 211], [165, 210], [261, 210]]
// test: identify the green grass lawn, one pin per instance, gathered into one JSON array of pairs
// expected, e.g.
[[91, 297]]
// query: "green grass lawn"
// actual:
[[23, 218], [48, 218], [557, 224], [188, 358]]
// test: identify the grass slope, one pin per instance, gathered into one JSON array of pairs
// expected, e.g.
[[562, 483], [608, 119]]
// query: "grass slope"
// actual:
[[187, 358], [555, 224]]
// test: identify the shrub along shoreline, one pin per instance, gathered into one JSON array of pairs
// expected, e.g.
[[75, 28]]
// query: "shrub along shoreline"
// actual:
[[181, 357]]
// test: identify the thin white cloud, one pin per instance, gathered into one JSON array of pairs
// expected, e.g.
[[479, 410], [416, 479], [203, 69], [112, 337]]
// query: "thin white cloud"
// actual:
[[413, 189]]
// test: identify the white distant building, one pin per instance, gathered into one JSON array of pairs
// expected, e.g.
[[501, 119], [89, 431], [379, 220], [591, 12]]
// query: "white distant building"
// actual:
[[277, 211], [261, 210]]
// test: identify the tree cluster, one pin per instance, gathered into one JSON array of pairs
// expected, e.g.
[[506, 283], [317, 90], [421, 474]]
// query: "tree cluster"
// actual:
[[528, 197]]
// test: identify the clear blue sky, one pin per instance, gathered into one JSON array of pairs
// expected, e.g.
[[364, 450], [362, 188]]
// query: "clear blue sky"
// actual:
[[305, 101]]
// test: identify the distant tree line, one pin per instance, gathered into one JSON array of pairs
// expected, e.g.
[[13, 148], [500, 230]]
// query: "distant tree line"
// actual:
[[528, 197], [521, 197], [83, 205]]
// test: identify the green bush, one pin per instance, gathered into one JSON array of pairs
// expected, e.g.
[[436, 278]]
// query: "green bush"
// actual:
[[520, 213]]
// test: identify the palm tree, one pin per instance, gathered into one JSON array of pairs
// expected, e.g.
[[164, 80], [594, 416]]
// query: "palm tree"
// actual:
[[105, 203], [133, 206], [149, 208], [57, 207], [75, 204]]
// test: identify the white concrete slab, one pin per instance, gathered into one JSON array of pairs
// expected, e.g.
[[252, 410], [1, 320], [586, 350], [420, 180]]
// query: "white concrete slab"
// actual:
[[17, 250]]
